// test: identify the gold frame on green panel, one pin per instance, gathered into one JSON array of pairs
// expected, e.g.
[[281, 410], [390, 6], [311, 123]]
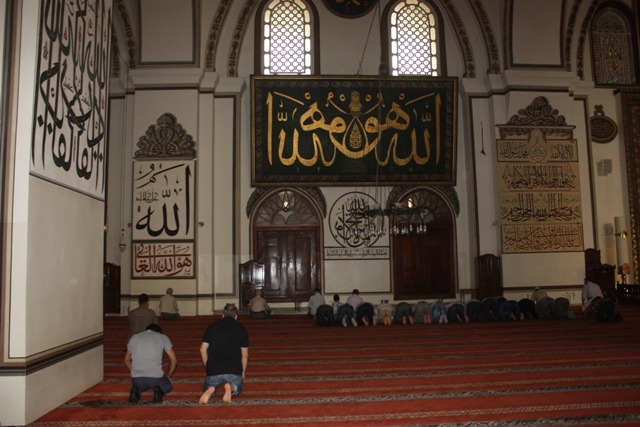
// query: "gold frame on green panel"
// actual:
[[346, 130]]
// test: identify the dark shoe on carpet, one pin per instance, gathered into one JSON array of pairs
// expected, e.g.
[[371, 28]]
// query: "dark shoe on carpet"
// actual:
[[134, 395], [157, 394]]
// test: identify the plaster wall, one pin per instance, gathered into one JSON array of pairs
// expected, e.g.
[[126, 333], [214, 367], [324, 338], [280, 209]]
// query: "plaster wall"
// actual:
[[64, 270]]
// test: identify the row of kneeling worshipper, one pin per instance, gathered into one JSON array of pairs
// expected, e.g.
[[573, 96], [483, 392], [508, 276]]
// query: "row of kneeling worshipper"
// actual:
[[540, 306]]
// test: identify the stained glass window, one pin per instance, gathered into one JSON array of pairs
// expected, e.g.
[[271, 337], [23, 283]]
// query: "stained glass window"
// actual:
[[612, 47]]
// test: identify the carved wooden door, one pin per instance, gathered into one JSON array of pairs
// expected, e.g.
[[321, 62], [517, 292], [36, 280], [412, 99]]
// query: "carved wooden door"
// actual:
[[290, 261], [111, 288], [489, 276], [286, 230], [424, 264]]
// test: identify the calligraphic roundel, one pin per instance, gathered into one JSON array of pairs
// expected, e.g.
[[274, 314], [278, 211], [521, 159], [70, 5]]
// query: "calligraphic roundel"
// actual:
[[350, 8]]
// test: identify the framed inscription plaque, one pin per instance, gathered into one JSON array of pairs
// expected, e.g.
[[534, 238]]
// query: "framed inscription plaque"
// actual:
[[343, 130]]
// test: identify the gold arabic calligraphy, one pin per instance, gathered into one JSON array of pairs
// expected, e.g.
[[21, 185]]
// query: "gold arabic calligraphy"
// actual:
[[353, 138]]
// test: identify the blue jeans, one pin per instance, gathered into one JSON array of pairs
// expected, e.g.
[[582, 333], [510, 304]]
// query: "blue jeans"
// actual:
[[145, 383], [217, 380]]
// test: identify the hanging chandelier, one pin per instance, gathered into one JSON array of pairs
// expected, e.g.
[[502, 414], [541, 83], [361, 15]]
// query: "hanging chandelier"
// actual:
[[368, 220], [403, 220]]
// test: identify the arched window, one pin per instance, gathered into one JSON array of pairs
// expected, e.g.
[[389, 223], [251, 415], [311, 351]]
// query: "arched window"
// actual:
[[286, 42], [285, 208], [613, 46], [415, 39]]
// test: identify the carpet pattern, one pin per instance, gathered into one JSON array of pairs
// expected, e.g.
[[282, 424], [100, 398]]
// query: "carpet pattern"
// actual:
[[528, 373]]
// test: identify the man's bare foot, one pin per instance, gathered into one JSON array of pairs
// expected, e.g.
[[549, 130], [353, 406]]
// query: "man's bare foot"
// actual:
[[204, 399], [411, 320], [227, 393], [427, 319], [365, 321], [404, 320], [466, 318], [375, 321]]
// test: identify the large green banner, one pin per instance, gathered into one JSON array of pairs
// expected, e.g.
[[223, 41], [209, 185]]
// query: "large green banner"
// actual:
[[344, 130]]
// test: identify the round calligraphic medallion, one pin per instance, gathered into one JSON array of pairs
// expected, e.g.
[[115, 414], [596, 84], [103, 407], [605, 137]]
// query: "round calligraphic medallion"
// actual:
[[603, 129], [350, 220], [350, 8]]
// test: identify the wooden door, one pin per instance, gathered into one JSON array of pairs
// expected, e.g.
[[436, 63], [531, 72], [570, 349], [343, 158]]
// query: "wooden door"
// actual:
[[111, 289], [489, 276], [291, 263], [423, 264]]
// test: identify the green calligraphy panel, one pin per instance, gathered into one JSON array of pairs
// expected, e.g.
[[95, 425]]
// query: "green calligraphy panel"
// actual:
[[360, 130]]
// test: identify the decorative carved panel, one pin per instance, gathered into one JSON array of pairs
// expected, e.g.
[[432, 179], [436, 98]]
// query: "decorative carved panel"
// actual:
[[539, 182]]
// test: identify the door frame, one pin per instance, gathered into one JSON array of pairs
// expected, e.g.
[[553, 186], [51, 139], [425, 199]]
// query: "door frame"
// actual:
[[312, 211], [445, 207]]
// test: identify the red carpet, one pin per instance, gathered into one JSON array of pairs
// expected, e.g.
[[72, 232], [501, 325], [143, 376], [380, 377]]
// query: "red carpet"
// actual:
[[530, 373]]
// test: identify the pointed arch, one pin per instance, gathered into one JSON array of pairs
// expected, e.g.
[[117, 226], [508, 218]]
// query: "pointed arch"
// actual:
[[613, 45], [121, 7], [286, 229], [463, 38], [214, 34], [488, 35], [425, 263], [293, 25], [238, 35]]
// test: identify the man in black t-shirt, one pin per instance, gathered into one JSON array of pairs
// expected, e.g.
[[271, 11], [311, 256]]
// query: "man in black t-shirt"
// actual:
[[225, 354]]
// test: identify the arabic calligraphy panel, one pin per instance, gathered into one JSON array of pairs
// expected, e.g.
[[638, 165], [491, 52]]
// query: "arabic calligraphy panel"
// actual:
[[163, 260], [520, 150], [349, 222], [539, 182], [353, 130], [163, 200], [69, 128], [543, 206], [538, 176], [542, 238]]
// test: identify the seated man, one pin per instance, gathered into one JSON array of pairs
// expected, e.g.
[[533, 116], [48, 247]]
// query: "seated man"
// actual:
[[345, 315], [510, 310], [384, 313], [258, 306], [365, 314], [316, 300], [142, 316], [528, 308], [590, 291], [422, 313], [355, 299], [144, 360], [561, 309], [457, 312], [169, 306], [538, 294], [403, 314], [607, 312], [324, 315], [546, 308], [474, 311], [439, 312], [491, 309]]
